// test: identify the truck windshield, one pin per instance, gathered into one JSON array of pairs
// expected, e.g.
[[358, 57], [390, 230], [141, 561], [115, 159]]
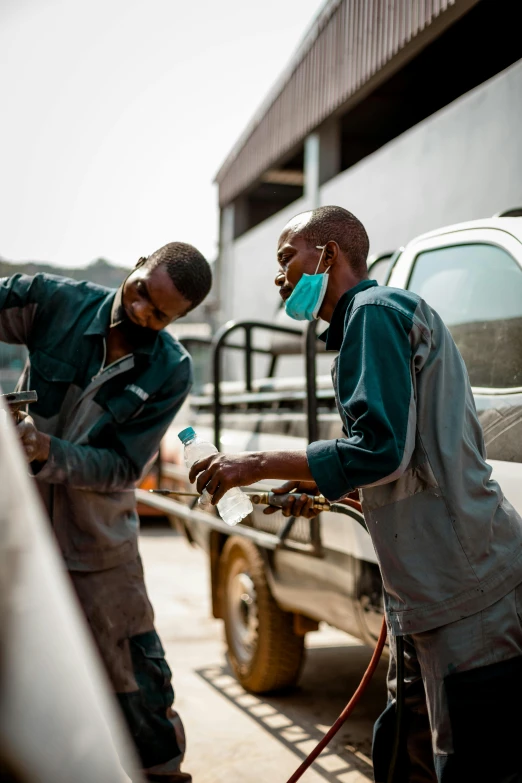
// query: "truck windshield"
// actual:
[[477, 290]]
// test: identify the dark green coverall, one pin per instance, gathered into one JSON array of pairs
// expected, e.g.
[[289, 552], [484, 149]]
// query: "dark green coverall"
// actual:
[[106, 424]]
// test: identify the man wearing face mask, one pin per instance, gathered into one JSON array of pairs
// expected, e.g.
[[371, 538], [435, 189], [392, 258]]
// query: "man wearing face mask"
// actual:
[[449, 544], [109, 383]]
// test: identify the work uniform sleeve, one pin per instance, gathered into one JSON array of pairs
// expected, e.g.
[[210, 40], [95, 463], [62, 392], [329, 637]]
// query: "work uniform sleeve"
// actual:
[[130, 445], [21, 298], [376, 395]]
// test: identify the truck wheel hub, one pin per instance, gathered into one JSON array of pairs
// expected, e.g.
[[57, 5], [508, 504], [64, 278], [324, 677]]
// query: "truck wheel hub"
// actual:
[[242, 601]]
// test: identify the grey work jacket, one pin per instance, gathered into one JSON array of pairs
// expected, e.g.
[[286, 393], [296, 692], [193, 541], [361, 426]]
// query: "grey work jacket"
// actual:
[[448, 542]]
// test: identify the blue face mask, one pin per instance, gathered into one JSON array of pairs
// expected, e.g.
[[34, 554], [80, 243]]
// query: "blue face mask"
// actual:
[[307, 297]]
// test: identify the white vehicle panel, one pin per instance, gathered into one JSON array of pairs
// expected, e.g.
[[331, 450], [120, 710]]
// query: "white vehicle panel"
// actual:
[[509, 476], [343, 534]]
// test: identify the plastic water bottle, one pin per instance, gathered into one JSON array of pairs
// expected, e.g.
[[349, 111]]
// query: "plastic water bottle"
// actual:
[[234, 505]]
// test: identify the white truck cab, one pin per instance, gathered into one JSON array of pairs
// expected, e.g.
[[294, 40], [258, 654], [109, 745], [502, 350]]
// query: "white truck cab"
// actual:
[[471, 273]]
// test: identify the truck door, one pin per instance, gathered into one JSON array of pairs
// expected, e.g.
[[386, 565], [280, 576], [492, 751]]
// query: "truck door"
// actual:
[[473, 279]]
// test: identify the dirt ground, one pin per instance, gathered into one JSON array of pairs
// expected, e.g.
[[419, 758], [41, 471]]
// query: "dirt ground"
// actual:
[[233, 736]]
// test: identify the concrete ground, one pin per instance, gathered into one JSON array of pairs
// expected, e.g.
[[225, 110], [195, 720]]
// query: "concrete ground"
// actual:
[[233, 736]]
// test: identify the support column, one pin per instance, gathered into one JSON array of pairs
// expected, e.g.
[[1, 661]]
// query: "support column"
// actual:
[[225, 262], [330, 150], [312, 149], [322, 159]]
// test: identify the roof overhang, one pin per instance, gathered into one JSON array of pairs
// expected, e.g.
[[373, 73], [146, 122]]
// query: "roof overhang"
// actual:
[[352, 47]]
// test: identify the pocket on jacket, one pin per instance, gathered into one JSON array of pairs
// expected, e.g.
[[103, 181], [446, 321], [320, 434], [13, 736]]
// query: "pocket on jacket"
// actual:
[[50, 378], [124, 407], [421, 557], [416, 479]]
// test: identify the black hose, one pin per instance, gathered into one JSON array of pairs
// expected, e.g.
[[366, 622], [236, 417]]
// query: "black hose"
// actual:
[[399, 709], [341, 508]]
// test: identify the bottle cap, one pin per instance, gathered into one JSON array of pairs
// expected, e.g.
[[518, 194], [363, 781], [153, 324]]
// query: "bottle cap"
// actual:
[[186, 435]]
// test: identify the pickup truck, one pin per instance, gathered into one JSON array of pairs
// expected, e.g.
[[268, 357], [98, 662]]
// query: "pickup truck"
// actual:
[[274, 579]]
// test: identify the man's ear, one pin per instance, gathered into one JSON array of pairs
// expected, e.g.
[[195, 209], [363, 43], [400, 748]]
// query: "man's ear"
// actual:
[[331, 253], [141, 261]]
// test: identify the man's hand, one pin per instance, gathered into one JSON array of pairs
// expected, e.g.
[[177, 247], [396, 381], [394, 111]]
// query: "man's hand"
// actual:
[[36, 444], [300, 505], [221, 472]]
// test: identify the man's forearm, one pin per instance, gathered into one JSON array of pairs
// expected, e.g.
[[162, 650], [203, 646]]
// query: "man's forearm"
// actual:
[[220, 472], [44, 445], [283, 465], [86, 467]]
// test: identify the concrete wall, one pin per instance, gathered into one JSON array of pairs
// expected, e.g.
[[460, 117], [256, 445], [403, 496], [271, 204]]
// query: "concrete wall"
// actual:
[[462, 163], [254, 260]]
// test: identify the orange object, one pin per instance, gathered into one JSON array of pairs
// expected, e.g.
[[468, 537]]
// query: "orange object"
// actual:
[[150, 481]]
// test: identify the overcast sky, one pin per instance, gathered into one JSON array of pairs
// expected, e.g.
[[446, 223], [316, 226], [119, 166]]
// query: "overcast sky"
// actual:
[[116, 115]]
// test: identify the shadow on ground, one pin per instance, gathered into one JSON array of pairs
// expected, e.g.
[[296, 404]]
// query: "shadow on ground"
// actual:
[[300, 717]]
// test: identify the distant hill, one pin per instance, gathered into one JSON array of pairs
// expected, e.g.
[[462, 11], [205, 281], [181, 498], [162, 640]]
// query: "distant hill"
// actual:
[[100, 271]]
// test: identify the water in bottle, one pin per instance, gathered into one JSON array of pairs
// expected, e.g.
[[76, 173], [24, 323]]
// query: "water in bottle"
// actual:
[[234, 505]]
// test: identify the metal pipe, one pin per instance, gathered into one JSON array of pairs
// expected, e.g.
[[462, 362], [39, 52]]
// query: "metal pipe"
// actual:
[[248, 358], [273, 365], [218, 344], [174, 508], [207, 342]]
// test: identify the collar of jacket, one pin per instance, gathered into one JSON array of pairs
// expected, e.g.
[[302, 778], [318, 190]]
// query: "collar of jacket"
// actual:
[[106, 317], [333, 336]]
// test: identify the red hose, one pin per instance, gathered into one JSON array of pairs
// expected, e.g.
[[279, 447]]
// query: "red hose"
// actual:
[[309, 760]]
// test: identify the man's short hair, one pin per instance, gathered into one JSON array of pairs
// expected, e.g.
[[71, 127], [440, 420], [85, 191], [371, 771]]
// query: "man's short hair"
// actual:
[[187, 268], [336, 223]]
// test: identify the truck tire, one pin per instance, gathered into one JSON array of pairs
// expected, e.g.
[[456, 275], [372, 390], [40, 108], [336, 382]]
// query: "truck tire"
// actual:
[[264, 652]]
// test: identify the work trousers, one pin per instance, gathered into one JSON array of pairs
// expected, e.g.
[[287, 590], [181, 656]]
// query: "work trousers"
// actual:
[[121, 618], [463, 701]]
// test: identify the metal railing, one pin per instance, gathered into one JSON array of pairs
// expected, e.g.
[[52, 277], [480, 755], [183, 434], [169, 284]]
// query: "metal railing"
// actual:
[[219, 343]]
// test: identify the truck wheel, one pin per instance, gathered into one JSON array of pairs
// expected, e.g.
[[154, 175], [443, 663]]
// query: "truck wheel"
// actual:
[[264, 652]]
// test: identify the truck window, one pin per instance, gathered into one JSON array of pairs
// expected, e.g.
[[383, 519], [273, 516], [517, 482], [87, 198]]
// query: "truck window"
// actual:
[[379, 269], [477, 290]]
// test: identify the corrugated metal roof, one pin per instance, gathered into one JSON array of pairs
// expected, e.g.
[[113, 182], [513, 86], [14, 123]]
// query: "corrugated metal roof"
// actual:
[[350, 44]]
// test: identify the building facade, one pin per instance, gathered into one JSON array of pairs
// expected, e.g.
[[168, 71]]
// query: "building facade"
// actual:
[[406, 112]]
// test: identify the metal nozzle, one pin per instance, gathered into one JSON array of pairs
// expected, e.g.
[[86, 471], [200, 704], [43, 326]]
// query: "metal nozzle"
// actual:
[[271, 499]]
